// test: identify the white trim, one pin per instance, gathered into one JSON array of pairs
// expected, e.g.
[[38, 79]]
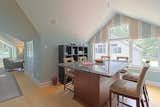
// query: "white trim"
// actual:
[[152, 83], [37, 82]]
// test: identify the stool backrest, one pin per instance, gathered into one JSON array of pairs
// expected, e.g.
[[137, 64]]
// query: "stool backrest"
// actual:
[[141, 79], [68, 60], [68, 71], [82, 59]]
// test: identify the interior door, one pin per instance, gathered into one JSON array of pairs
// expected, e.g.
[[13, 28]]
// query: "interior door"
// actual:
[[30, 56]]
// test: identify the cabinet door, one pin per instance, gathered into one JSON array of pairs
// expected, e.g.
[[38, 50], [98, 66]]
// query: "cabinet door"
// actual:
[[81, 85], [93, 90]]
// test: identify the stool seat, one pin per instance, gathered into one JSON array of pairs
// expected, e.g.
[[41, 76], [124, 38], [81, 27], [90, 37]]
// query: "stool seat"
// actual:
[[131, 77], [123, 71], [124, 87]]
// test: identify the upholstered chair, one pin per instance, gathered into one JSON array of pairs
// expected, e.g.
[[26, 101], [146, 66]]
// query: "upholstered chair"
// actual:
[[134, 77], [129, 89]]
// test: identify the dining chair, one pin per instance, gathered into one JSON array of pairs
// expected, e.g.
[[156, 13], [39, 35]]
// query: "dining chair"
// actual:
[[129, 89], [69, 75]]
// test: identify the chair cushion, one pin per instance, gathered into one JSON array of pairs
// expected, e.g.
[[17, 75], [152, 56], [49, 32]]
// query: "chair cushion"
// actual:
[[125, 87], [131, 77]]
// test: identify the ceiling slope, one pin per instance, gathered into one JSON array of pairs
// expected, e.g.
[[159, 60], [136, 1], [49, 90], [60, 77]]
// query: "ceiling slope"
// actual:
[[81, 18]]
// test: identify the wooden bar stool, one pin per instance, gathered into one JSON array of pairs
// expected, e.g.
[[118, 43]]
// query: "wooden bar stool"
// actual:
[[69, 75], [129, 89]]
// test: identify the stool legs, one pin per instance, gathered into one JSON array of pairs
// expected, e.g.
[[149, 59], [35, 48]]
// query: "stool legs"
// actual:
[[142, 103], [138, 101], [64, 82], [117, 100], [110, 99], [146, 95]]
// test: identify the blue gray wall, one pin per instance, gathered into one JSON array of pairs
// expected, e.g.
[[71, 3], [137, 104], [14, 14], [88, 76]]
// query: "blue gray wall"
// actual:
[[49, 53], [13, 22]]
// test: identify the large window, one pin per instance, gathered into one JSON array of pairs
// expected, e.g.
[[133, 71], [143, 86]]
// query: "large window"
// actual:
[[138, 51], [147, 49], [6, 51], [117, 45]]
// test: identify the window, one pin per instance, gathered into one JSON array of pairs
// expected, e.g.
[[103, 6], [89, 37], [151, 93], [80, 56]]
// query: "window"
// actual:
[[6, 51], [100, 50], [119, 48], [146, 49], [118, 44], [116, 50], [121, 31], [138, 51]]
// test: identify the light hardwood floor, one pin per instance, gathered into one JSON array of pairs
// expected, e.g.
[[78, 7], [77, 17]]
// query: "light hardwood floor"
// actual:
[[54, 96]]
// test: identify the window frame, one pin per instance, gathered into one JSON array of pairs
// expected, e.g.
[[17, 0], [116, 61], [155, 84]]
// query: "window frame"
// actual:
[[153, 69]]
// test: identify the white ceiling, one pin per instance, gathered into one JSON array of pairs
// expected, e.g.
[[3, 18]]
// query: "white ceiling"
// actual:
[[81, 18]]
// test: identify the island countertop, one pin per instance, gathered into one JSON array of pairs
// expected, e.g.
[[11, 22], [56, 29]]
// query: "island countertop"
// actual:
[[108, 68]]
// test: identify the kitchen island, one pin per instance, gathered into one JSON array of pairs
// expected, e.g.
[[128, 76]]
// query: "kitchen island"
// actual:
[[92, 82]]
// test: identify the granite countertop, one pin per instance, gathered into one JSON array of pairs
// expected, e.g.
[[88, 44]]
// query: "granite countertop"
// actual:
[[109, 68]]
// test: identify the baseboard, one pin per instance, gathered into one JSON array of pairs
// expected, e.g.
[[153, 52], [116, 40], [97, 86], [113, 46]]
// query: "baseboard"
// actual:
[[32, 78], [35, 81], [152, 83], [44, 84]]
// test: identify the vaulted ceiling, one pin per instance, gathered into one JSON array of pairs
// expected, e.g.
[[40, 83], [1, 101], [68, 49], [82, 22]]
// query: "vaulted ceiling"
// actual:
[[82, 18]]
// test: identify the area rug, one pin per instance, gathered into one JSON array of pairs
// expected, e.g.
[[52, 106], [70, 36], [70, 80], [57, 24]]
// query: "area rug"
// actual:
[[9, 87]]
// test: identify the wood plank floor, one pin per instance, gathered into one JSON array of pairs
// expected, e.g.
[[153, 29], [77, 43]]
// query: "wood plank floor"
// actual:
[[54, 96]]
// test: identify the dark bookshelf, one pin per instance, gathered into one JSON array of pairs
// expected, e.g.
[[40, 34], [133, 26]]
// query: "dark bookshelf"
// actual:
[[67, 51]]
